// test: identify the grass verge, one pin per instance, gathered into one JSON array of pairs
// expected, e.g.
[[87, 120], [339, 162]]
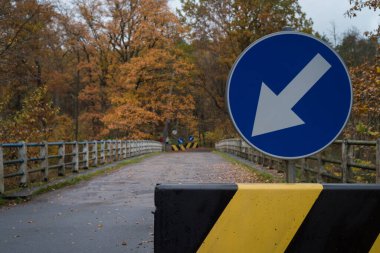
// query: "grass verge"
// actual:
[[262, 176], [45, 187]]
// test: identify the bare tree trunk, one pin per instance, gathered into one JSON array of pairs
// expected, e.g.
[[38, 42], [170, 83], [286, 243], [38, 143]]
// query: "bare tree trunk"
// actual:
[[76, 99], [167, 121]]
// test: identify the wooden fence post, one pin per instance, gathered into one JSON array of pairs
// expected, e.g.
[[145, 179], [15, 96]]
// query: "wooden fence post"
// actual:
[[125, 150], [86, 155], [111, 157], [95, 153], [378, 161], [270, 162], [320, 167], [344, 163], [103, 152], [61, 161], [240, 151], [109, 151], [119, 157], [114, 150], [76, 157], [122, 149], [129, 148], [132, 148], [45, 162], [22, 155], [263, 159], [2, 189]]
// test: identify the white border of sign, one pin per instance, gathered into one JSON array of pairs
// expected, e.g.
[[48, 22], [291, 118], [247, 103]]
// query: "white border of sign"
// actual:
[[233, 70]]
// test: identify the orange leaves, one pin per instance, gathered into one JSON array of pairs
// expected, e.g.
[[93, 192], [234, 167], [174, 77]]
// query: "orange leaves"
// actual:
[[366, 85], [151, 89], [130, 119], [365, 118], [129, 66], [113, 67]]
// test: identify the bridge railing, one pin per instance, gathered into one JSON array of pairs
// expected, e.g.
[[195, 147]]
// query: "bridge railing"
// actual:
[[347, 161], [22, 163]]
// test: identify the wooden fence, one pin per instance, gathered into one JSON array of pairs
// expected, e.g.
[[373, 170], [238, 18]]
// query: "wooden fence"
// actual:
[[347, 161], [22, 160]]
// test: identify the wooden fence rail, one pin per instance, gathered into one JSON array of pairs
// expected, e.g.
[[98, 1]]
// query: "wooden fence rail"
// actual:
[[342, 162], [30, 158]]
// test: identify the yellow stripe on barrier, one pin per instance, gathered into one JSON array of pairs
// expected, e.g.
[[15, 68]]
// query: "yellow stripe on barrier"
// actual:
[[174, 147], [188, 145], [376, 246], [182, 147], [263, 217]]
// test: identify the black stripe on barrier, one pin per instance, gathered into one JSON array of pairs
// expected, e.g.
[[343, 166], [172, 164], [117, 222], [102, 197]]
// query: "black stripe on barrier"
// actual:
[[184, 147], [343, 219], [186, 213]]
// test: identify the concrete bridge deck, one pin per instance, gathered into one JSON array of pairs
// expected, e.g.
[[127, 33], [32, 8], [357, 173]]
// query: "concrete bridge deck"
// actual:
[[110, 213]]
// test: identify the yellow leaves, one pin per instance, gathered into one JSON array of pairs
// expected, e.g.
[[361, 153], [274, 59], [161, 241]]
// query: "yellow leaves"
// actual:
[[63, 129], [34, 122]]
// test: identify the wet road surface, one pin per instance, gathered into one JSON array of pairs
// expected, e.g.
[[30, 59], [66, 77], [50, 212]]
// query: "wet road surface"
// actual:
[[111, 213]]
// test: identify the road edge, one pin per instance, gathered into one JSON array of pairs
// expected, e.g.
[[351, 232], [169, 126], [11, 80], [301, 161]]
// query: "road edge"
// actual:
[[248, 166]]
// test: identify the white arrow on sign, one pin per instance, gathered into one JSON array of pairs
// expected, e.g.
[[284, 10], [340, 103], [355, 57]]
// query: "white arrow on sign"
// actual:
[[274, 112]]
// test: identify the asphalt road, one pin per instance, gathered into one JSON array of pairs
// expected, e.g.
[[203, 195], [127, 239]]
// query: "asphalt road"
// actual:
[[111, 213]]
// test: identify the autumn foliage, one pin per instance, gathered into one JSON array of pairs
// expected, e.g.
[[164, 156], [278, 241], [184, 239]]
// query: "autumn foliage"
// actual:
[[134, 69]]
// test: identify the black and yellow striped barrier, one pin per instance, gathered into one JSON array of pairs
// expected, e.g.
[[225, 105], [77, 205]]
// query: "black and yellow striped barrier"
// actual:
[[183, 147], [191, 145], [175, 148], [267, 218]]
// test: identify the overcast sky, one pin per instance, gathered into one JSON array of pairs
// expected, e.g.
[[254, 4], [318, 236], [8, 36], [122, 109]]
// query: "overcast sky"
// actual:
[[325, 12]]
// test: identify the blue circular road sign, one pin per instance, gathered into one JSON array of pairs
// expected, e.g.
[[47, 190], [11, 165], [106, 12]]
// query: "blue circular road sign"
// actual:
[[289, 95], [191, 138], [180, 140]]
